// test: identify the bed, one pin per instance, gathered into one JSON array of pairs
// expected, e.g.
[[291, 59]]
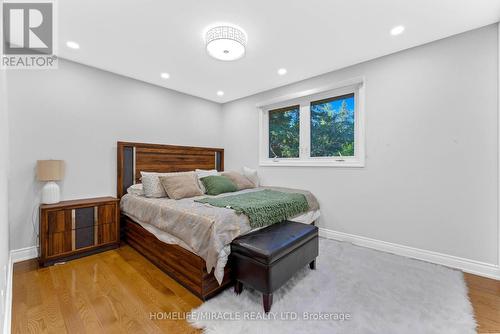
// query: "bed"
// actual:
[[186, 239]]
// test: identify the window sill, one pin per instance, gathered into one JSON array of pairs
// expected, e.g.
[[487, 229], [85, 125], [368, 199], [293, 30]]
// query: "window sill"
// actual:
[[329, 163]]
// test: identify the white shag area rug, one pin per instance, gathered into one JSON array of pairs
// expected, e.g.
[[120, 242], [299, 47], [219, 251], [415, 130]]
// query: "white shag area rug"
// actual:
[[353, 290]]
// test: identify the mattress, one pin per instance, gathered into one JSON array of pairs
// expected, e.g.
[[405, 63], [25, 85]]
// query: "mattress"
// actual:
[[204, 230]]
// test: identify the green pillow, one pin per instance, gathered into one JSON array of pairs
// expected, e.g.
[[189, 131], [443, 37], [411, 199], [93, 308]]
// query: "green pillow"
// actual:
[[218, 184]]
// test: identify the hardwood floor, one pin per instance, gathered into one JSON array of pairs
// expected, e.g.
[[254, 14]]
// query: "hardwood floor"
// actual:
[[110, 292], [484, 294], [115, 291]]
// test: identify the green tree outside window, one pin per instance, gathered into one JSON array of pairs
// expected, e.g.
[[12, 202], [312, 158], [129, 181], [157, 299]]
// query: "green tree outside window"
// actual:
[[332, 127], [284, 134]]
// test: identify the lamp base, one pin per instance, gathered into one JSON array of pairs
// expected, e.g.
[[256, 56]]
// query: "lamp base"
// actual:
[[51, 193]]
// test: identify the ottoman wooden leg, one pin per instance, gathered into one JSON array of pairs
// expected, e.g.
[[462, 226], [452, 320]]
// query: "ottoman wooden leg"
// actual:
[[312, 264], [267, 300], [238, 287]]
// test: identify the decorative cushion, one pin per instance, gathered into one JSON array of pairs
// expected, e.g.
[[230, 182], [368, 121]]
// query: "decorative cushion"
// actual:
[[204, 173], [151, 184], [136, 189], [252, 175], [241, 182], [181, 185], [218, 184]]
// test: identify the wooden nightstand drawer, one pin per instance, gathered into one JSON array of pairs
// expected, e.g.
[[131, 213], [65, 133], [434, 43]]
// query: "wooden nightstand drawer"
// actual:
[[107, 233], [58, 221], [72, 228], [58, 243], [106, 214], [63, 242]]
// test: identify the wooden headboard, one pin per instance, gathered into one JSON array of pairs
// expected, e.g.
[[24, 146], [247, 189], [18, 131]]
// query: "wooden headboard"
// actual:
[[136, 157]]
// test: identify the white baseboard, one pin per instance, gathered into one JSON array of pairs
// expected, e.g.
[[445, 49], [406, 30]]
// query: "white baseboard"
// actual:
[[16, 255], [24, 254], [466, 265]]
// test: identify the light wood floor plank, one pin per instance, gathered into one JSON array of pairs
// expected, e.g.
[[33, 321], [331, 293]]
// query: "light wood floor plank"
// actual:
[[52, 315], [124, 310], [484, 294]]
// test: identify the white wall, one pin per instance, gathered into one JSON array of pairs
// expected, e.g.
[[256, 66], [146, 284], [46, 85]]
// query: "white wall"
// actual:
[[430, 179], [4, 222], [4, 225], [77, 113]]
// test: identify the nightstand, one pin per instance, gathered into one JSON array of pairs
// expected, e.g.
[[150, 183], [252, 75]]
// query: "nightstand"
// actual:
[[72, 229]]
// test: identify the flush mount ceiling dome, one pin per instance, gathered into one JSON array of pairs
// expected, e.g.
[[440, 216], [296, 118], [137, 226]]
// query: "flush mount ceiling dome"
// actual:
[[226, 42]]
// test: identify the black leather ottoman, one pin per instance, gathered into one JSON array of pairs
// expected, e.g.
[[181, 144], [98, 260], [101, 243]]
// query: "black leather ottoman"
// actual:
[[267, 258]]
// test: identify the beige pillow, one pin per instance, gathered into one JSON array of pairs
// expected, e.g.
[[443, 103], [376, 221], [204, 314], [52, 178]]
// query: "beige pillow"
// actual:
[[181, 185], [241, 182]]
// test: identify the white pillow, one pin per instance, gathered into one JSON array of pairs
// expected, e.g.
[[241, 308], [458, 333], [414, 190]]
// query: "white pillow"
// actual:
[[151, 184], [252, 175], [201, 173], [136, 189]]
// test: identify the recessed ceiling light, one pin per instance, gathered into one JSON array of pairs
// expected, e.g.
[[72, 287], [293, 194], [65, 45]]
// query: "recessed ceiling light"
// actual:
[[282, 71], [165, 75], [220, 93], [225, 41], [397, 30], [72, 45]]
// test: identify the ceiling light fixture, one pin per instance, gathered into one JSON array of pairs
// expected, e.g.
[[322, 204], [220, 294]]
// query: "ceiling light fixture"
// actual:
[[220, 93], [165, 75], [282, 71], [397, 30], [72, 45], [225, 42]]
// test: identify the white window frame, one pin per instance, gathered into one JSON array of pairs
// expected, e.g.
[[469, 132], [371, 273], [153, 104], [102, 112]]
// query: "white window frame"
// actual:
[[304, 99]]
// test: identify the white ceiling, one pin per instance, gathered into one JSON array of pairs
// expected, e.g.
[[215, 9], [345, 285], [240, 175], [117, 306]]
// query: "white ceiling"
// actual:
[[141, 39]]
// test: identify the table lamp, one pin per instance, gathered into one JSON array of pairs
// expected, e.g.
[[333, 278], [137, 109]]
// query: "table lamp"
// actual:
[[50, 171]]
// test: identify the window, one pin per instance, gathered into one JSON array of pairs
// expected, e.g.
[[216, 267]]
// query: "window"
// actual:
[[322, 129], [284, 132], [332, 127]]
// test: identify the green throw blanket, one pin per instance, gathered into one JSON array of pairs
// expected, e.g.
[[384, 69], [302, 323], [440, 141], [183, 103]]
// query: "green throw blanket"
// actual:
[[264, 207]]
